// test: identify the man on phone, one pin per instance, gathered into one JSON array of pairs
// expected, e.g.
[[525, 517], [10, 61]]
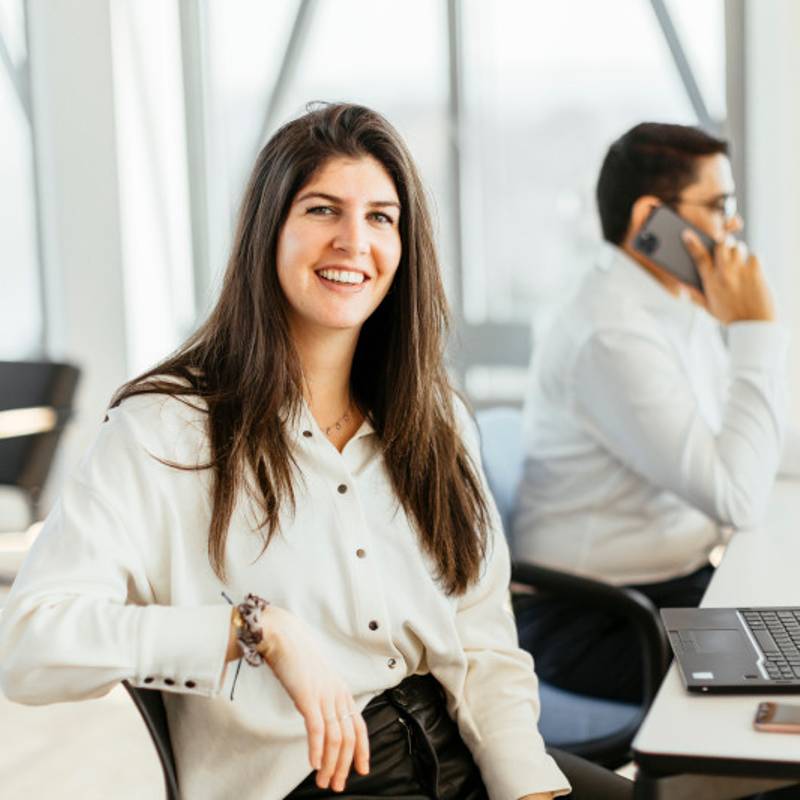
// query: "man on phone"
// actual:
[[655, 411]]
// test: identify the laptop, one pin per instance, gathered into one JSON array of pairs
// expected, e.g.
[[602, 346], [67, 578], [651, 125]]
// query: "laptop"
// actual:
[[753, 650]]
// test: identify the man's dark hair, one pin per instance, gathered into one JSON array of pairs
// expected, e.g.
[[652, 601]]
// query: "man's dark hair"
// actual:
[[651, 158]]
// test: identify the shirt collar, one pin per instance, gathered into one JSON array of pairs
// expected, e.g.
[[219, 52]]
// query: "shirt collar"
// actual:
[[635, 280]]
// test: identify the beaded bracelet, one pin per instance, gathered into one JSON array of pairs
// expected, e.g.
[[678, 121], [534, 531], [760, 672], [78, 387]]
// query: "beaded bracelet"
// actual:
[[249, 633]]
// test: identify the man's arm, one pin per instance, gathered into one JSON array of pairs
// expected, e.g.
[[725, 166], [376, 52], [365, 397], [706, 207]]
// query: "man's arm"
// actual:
[[635, 398]]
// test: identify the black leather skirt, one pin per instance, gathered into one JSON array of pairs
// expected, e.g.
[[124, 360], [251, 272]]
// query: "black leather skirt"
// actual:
[[416, 751]]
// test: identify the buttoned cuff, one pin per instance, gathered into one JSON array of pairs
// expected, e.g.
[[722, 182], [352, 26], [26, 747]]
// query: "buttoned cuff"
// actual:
[[758, 345], [183, 649], [512, 777]]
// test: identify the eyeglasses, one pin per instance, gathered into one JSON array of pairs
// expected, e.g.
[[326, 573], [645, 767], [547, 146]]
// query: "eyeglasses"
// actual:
[[725, 205]]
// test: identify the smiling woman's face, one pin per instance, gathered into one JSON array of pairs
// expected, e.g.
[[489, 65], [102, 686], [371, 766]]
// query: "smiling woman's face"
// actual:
[[340, 246]]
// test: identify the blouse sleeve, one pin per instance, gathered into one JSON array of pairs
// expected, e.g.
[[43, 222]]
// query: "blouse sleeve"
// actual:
[[499, 708], [82, 614]]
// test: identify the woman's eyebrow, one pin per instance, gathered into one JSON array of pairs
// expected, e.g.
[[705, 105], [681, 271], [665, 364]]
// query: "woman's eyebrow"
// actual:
[[332, 198], [385, 203]]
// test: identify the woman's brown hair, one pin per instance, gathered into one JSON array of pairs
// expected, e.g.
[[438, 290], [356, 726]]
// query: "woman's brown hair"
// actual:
[[243, 365]]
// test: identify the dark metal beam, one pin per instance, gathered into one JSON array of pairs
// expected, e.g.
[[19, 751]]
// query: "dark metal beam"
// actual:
[[17, 76], [683, 66], [38, 212], [291, 57], [460, 354], [736, 94], [455, 46], [194, 65]]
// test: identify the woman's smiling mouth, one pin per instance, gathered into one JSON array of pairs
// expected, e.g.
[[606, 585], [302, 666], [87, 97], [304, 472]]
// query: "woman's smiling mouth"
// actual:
[[342, 277]]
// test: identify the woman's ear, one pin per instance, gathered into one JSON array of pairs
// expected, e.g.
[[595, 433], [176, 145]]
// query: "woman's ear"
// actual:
[[641, 209]]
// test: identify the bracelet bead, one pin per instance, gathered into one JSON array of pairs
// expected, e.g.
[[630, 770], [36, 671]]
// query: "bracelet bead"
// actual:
[[249, 633]]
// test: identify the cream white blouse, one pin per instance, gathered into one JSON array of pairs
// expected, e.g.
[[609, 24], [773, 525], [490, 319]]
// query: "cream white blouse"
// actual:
[[119, 586]]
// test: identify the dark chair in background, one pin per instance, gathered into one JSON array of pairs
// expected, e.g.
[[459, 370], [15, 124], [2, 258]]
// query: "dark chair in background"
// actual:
[[596, 729], [35, 404], [151, 706]]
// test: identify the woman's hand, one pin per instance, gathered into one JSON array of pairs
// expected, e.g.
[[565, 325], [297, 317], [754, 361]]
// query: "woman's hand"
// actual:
[[539, 796], [337, 733]]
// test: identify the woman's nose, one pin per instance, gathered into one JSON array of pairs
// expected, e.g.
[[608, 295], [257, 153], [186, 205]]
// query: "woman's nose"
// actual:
[[351, 237]]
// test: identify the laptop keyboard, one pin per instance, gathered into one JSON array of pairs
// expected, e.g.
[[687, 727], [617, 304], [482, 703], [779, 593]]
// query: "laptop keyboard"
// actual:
[[777, 632]]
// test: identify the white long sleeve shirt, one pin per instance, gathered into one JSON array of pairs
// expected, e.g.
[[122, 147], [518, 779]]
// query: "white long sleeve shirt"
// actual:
[[119, 586], [645, 434]]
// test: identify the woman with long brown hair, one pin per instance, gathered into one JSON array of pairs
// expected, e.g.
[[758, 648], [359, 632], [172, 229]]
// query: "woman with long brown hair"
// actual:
[[303, 455]]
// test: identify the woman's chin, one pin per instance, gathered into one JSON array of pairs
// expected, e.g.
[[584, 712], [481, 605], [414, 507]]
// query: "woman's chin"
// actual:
[[331, 325]]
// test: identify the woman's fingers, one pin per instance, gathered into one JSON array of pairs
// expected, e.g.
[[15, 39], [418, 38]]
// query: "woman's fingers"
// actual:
[[345, 737], [345, 752], [331, 747], [361, 754], [315, 730]]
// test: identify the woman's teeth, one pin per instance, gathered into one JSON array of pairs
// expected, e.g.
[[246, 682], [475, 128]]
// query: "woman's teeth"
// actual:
[[340, 276]]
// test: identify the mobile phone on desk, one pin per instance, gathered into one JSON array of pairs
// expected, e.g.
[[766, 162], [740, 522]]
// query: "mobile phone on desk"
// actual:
[[659, 239], [777, 717]]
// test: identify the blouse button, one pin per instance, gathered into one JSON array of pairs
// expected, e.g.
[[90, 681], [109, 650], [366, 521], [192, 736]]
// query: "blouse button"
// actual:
[[391, 663], [307, 434], [341, 488], [190, 684], [149, 679], [169, 681], [373, 625], [361, 553]]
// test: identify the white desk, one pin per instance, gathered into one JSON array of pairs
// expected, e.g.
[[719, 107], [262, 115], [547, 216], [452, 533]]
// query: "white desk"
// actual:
[[713, 734]]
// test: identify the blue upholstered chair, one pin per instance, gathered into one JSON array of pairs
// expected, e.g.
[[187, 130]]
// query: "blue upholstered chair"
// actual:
[[599, 730]]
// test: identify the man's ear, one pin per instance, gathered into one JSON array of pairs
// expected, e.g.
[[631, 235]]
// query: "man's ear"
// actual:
[[641, 208]]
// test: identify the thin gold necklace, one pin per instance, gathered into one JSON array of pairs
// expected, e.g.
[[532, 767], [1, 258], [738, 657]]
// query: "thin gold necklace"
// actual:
[[337, 426]]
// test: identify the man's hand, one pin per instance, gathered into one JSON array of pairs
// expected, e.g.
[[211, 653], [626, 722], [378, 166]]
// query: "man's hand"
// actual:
[[337, 733], [733, 283]]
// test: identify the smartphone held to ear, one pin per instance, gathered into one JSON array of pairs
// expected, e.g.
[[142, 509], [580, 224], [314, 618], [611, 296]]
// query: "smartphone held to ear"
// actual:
[[777, 717], [659, 239]]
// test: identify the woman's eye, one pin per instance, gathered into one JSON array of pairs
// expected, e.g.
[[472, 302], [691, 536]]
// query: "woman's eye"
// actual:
[[385, 219], [320, 211]]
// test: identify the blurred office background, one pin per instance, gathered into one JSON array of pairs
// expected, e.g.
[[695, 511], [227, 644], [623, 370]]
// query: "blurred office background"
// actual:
[[129, 127]]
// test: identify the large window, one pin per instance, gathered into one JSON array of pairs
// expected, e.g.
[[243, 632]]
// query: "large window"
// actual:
[[507, 106], [546, 89], [158, 278], [268, 60], [21, 308]]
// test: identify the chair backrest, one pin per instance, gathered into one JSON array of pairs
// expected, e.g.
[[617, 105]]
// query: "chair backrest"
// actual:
[[503, 453], [151, 706], [27, 455]]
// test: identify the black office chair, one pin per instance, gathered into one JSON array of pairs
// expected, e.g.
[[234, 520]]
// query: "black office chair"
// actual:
[[28, 441], [151, 706], [595, 729]]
